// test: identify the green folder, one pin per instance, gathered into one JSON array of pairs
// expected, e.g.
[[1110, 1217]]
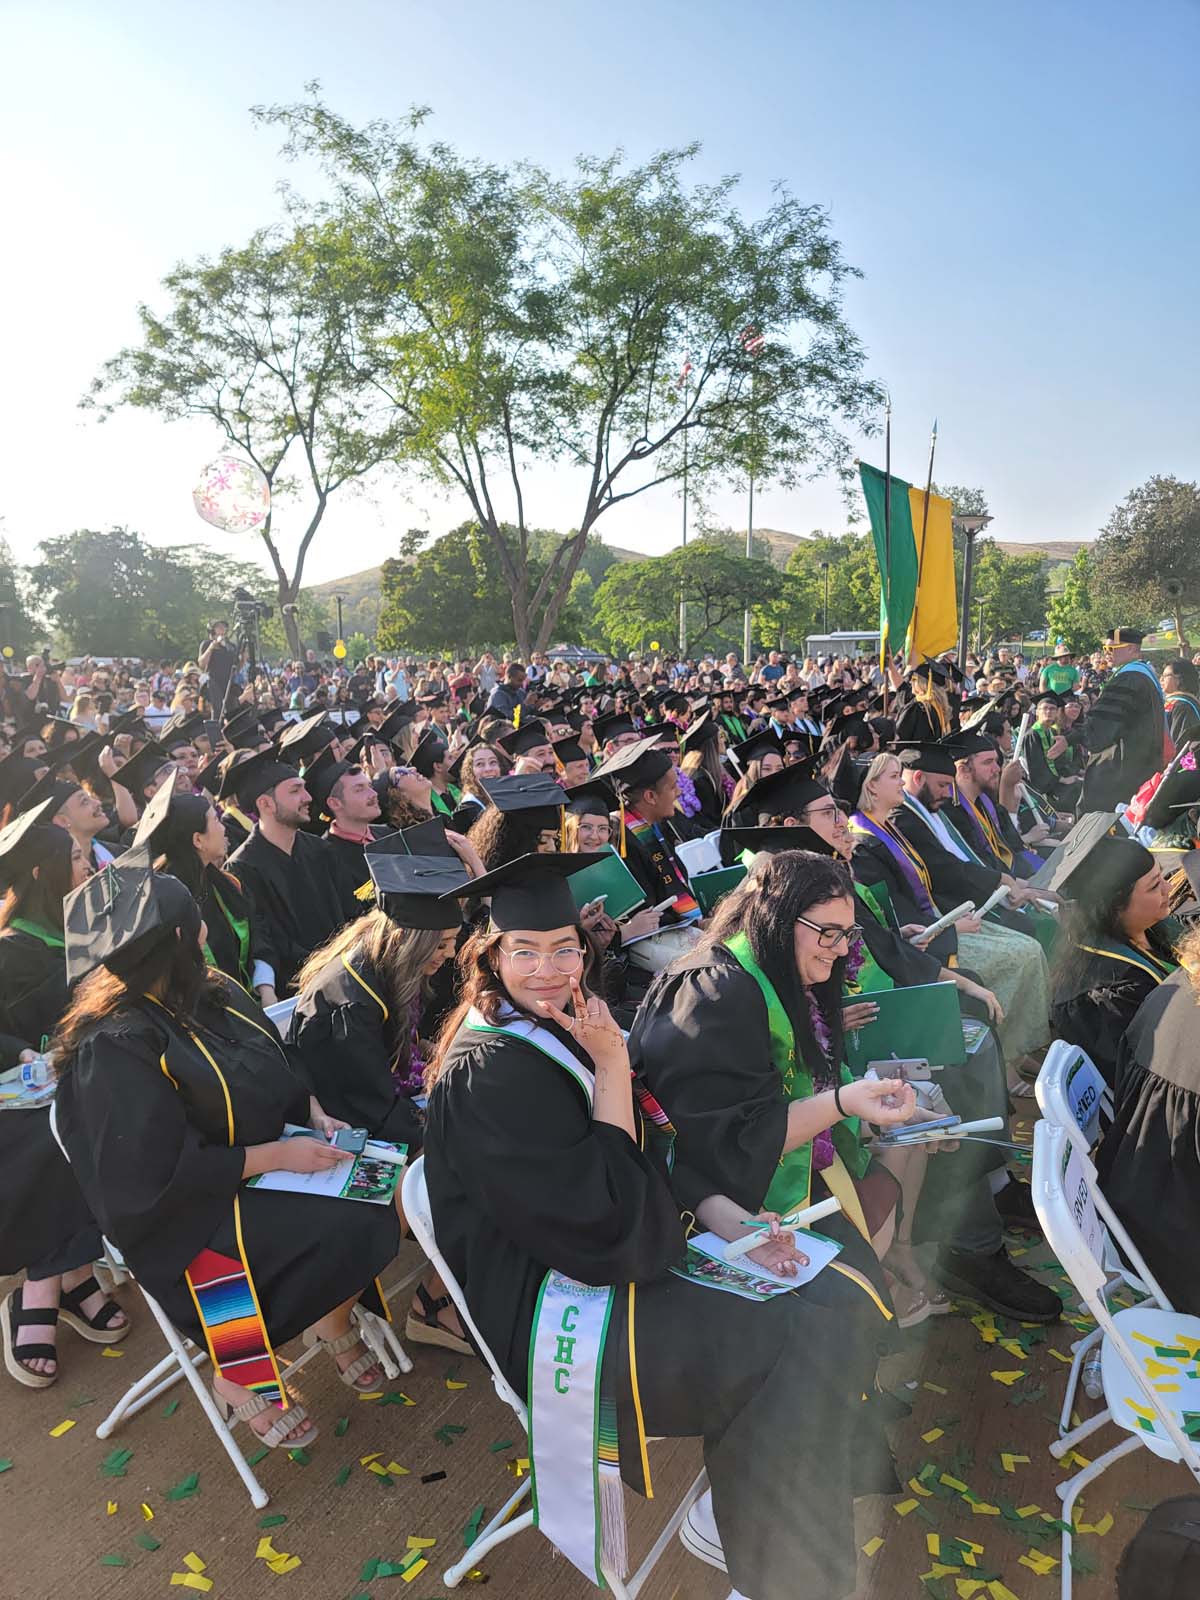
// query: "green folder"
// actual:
[[612, 878], [922, 1020], [709, 887]]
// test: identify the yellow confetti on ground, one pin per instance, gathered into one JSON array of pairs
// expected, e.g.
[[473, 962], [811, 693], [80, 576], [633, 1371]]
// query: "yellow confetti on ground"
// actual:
[[969, 1544], [1039, 1563], [872, 1547], [969, 1558], [191, 1580], [375, 1394], [417, 1543], [1059, 1356], [63, 1427], [905, 1507], [999, 1591], [380, 1472], [1007, 1378], [410, 1573], [396, 1470], [968, 1586], [1028, 1511], [934, 1433], [934, 1388], [1008, 1460], [193, 1562], [147, 1513], [451, 1384], [982, 1509], [112, 1508], [1102, 1527], [365, 1461], [953, 1483], [115, 1355], [1073, 1458], [933, 1544], [265, 1550], [1013, 1348], [918, 1487], [284, 1564]]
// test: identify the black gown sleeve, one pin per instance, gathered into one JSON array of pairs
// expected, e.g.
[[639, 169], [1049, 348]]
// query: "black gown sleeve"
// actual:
[[903, 962], [1097, 1019], [33, 989], [701, 1042], [347, 1062], [154, 1184]]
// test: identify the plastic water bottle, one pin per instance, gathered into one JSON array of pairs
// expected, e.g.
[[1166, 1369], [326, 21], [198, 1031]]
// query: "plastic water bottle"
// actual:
[[1093, 1383], [27, 1075]]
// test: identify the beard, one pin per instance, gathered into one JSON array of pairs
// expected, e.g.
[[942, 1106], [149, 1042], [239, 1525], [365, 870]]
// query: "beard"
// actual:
[[928, 799]]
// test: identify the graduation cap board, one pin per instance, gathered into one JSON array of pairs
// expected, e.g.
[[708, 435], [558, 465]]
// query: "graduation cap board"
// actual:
[[24, 843], [423, 839], [155, 814], [418, 891], [705, 730], [1095, 866], [121, 912], [257, 774], [531, 735], [1072, 850], [636, 766], [533, 893], [526, 791], [918, 755], [141, 769], [782, 794], [303, 741]]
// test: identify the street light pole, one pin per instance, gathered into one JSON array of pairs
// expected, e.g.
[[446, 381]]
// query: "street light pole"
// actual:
[[970, 526], [825, 614], [979, 633]]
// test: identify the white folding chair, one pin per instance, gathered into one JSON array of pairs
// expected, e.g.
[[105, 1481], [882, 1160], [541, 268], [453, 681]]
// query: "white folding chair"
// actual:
[[1149, 1402], [1072, 1093], [700, 855], [184, 1359], [281, 1014], [499, 1530]]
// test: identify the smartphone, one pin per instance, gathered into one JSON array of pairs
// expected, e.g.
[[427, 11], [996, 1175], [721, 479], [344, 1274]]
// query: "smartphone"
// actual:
[[352, 1140], [910, 1130], [912, 1069]]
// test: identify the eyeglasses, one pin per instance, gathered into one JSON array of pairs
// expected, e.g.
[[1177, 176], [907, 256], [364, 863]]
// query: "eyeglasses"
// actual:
[[830, 937], [823, 811], [526, 962]]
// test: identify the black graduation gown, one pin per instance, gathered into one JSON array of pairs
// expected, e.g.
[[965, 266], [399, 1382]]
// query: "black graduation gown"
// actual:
[[521, 1179], [345, 859], [157, 1139], [873, 863], [1046, 782], [345, 1037], [953, 879], [294, 897], [712, 804], [236, 831], [1183, 720], [45, 1224], [1093, 1009], [652, 862], [1124, 733], [1149, 1159], [221, 898], [918, 723]]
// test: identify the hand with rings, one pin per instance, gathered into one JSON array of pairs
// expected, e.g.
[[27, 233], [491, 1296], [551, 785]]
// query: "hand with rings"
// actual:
[[592, 1025]]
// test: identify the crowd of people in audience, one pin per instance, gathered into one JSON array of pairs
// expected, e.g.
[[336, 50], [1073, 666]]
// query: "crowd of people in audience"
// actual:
[[594, 1077]]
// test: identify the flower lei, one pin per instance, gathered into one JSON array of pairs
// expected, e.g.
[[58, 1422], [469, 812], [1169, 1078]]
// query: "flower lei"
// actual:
[[410, 1080], [689, 802], [823, 1143]]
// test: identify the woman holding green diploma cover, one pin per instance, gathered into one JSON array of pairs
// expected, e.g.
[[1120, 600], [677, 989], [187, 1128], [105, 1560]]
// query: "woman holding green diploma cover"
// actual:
[[173, 1088], [548, 1178]]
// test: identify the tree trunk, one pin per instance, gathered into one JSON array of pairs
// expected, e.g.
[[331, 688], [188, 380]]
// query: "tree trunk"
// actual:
[[1184, 647], [291, 625]]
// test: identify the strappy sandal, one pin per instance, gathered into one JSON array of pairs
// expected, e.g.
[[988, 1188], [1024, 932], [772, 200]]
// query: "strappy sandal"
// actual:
[[426, 1329], [13, 1316], [98, 1329], [278, 1434], [350, 1376]]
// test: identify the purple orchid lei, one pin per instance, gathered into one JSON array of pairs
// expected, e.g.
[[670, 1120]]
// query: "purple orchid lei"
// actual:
[[823, 1151], [410, 1080], [689, 802]]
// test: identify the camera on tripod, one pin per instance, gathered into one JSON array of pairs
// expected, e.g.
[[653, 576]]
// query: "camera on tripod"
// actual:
[[248, 608]]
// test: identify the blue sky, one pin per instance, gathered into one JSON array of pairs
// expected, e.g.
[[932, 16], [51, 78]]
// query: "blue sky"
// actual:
[[1018, 184]]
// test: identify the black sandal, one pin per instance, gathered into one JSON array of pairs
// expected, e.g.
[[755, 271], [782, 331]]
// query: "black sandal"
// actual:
[[13, 1316], [426, 1329], [98, 1329]]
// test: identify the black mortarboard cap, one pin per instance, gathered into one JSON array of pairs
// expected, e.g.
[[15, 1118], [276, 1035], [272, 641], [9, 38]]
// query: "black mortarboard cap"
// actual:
[[397, 719], [759, 744], [24, 843], [320, 777], [417, 891], [139, 770], [181, 729], [426, 838], [228, 766], [785, 793], [304, 741], [120, 913], [1123, 636], [531, 735], [155, 814], [1069, 852], [926, 755], [772, 841], [613, 725], [262, 771], [532, 894], [50, 786], [430, 751], [129, 722], [18, 774], [1096, 870], [931, 669], [244, 730], [636, 766], [971, 742], [569, 750], [705, 730], [981, 706], [526, 791], [591, 798]]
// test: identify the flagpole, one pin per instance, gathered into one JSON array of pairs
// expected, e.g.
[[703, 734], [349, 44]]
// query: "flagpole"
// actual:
[[683, 589], [924, 529], [886, 639]]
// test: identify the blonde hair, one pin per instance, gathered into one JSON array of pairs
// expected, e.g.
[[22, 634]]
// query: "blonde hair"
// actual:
[[866, 799]]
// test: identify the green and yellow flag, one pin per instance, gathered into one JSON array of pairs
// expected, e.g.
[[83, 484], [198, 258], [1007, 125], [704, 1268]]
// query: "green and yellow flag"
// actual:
[[918, 604]]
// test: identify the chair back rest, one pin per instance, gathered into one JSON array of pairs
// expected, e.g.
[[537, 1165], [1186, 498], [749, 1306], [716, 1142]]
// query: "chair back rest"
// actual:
[[1071, 1091], [700, 855], [57, 1137], [415, 1195], [281, 1014]]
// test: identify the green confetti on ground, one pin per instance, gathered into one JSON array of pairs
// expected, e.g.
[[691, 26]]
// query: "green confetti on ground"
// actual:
[[370, 1568], [148, 1541], [500, 1444], [115, 1464], [276, 1521], [186, 1487], [390, 1569], [6, 1464], [171, 1407], [471, 1531], [83, 1400], [114, 1561], [396, 1397], [341, 1427], [259, 1455], [452, 1371], [1084, 1563], [1137, 1505], [341, 1480], [300, 1457]]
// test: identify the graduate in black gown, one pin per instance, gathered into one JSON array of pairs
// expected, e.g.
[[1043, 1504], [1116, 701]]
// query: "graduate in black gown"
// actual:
[[1149, 1159], [1125, 729], [45, 1225], [173, 1090], [284, 870], [346, 797], [184, 834], [539, 1164], [1115, 950]]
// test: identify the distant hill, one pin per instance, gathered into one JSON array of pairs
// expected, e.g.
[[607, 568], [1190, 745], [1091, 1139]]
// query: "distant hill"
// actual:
[[362, 589]]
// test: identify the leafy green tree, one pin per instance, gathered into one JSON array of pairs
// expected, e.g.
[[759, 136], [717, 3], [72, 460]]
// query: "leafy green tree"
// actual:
[[261, 343], [797, 607], [18, 628], [527, 319], [1072, 614], [1012, 588], [639, 600], [1147, 558], [111, 593], [450, 595]]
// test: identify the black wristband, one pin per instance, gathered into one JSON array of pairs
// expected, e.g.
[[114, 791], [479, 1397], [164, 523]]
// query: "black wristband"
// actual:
[[837, 1100]]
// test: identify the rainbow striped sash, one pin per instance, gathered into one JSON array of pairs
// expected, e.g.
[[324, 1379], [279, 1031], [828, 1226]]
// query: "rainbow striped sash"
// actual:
[[234, 1331]]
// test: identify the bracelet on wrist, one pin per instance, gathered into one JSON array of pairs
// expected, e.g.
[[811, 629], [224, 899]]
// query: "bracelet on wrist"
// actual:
[[837, 1100]]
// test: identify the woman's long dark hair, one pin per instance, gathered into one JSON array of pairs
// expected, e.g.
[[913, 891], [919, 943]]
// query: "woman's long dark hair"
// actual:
[[41, 899], [480, 985], [171, 968], [1104, 892], [187, 814], [765, 905]]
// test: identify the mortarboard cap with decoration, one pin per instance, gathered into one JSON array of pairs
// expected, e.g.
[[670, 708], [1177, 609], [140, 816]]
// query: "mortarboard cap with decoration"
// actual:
[[121, 913], [532, 894]]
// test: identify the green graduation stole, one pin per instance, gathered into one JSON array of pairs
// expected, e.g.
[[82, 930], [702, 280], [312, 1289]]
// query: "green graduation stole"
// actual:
[[241, 932], [791, 1187], [51, 940], [440, 805], [870, 977], [1154, 966]]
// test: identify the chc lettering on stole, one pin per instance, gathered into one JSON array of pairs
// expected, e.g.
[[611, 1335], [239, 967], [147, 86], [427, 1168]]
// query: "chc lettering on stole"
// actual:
[[564, 1356]]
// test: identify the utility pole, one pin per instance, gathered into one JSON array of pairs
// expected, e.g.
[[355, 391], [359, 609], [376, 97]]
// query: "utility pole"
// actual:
[[825, 613]]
